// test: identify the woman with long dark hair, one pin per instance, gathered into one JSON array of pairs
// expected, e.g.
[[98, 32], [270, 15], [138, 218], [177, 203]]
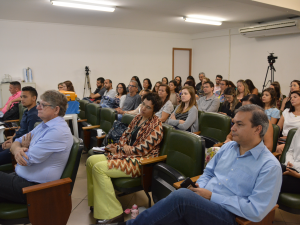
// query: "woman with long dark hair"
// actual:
[[231, 103], [147, 85], [253, 90], [286, 103], [173, 95], [179, 83], [167, 107], [165, 80], [121, 94], [137, 79], [269, 99], [156, 86]]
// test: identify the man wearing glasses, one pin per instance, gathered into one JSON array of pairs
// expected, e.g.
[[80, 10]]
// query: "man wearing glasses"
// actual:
[[42, 154], [209, 102], [132, 100], [218, 80]]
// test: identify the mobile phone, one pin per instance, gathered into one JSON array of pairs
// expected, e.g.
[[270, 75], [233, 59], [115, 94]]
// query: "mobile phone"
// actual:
[[187, 183], [292, 169]]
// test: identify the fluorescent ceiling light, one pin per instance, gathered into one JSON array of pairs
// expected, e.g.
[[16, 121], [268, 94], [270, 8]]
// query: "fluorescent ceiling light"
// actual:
[[96, 2], [206, 17], [83, 6], [194, 20]]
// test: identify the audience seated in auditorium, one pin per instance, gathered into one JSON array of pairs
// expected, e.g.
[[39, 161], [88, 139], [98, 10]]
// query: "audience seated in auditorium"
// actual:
[[218, 81], [290, 118], [68, 86], [173, 95], [243, 179], [60, 86], [279, 97], [252, 89], [286, 103], [132, 100], [269, 99], [231, 103], [242, 89], [156, 86], [220, 93], [200, 93], [141, 140], [110, 92], [201, 76], [167, 107], [209, 102], [137, 110], [42, 154], [121, 94], [191, 79], [268, 138], [108, 98], [164, 80], [98, 93], [179, 83], [147, 85], [15, 90], [291, 178], [185, 115], [191, 84], [29, 118], [137, 79]]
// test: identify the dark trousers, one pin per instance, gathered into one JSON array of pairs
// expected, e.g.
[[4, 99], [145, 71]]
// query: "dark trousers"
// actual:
[[5, 156], [11, 187], [290, 184]]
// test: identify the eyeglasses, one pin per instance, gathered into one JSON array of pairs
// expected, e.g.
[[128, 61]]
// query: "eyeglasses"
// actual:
[[42, 105], [131, 86], [147, 107]]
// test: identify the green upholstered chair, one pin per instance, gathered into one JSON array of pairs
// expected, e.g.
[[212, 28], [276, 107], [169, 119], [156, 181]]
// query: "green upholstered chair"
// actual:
[[286, 201], [127, 118], [82, 107], [48, 203], [131, 185], [185, 158], [276, 132], [214, 127], [15, 123], [92, 122]]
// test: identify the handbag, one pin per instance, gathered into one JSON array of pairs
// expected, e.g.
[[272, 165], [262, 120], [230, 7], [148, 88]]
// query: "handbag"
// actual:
[[12, 113], [114, 134]]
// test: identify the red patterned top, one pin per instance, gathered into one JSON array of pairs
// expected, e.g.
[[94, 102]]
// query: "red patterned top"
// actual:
[[146, 145]]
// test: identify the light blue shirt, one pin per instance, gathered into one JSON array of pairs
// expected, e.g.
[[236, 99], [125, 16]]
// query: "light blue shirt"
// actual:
[[48, 151], [273, 112], [247, 185]]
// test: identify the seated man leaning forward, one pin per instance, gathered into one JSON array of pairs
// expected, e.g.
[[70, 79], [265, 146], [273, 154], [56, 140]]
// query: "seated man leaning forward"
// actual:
[[140, 140], [42, 154], [242, 179]]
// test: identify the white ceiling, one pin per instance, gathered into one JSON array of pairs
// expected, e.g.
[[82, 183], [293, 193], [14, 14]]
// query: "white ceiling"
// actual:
[[152, 15]]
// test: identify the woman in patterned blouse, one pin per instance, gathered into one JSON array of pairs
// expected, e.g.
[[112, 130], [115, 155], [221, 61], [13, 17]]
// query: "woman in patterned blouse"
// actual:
[[140, 140]]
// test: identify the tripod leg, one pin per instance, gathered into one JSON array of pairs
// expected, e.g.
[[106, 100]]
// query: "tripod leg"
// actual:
[[266, 78], [89, 84], [84, 87]]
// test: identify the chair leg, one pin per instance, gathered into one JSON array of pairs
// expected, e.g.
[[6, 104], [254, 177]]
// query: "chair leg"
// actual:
[[149, 199]]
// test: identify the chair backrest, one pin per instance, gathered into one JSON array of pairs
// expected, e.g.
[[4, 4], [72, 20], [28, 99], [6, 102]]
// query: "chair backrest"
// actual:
[[127, 118], [21, 111], [214, 125], [108, 116], [186, 152], [163, 145], [92, 113], [73, 161], [287, 144], [276, 132], [82, 104]]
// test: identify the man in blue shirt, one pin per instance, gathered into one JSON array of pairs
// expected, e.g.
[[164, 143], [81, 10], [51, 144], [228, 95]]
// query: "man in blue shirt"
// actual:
[[43, 153], [30, 117], [242, 179]]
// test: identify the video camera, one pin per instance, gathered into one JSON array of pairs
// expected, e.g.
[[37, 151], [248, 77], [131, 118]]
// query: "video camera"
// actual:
[[271, 58]]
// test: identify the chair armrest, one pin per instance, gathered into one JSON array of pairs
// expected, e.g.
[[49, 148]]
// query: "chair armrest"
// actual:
[[82, 120], [11, 128], [9, 121], [197, 132], [276, 154], [46, 185], [90, 127], [153, 160], [177, 184], [101, 137], [218, 144]]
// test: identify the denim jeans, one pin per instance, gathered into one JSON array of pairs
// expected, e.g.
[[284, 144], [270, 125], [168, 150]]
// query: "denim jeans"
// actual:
[[120, 117], [184, 207]]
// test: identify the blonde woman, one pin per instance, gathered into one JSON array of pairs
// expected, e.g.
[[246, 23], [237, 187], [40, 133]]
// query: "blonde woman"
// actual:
[[185, 116], [242, 89]]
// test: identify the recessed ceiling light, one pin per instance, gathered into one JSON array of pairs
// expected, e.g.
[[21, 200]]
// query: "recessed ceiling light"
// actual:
[[194, 20], [82, 6]]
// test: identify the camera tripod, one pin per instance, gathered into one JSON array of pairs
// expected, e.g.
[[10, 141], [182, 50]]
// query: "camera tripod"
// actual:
[[87, 82], [272, 69]]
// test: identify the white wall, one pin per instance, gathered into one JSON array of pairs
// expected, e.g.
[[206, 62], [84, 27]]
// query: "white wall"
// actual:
[[237, 57], [58, 52]]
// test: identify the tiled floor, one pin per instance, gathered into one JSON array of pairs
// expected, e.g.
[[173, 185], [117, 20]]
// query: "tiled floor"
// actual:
[[81, 214]]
